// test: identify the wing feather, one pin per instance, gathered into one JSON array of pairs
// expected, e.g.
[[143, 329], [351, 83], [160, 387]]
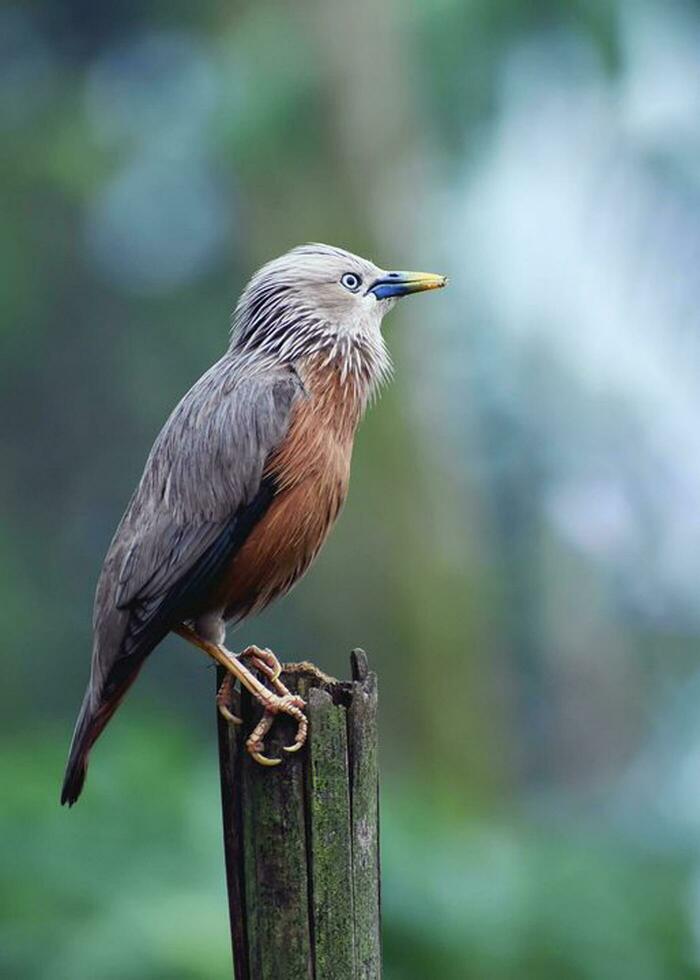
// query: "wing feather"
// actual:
[[201, 493]]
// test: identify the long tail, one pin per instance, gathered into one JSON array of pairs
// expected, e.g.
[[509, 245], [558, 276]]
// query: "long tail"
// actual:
[[93, 717]]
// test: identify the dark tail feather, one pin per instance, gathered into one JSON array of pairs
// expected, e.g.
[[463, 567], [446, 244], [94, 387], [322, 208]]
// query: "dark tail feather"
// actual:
[[80, 745], [91, 723], [84, 736]]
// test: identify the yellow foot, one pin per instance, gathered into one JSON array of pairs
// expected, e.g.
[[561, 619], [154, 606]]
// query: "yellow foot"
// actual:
[[279, 701], [289, 704], [267, 663]]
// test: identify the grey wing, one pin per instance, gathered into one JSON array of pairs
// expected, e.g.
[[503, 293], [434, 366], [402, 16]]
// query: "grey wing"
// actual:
[[201, 493]]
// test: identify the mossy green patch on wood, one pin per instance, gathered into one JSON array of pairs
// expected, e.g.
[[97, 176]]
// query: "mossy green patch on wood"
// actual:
[[364, 790], [329, 838]]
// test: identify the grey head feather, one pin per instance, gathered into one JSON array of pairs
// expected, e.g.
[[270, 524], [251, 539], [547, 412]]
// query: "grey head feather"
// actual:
[[294, 307]]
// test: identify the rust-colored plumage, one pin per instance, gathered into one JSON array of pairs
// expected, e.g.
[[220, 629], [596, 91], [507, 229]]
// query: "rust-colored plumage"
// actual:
[[311, 470]]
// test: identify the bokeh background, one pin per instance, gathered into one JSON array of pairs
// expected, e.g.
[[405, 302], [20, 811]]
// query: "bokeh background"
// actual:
[[520, 553]]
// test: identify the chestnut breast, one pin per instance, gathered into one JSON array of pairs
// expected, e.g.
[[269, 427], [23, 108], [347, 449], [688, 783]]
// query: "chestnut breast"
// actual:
[[311, 469]]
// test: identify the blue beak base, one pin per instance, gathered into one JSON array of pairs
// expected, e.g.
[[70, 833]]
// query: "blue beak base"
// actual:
[[395, 284]]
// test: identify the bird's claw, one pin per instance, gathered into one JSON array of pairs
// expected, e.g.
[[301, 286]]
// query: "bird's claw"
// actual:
[[289, 704], [302, 731], [224, 697], [280, 701], [267, 663], [263, 760], [229, 715]]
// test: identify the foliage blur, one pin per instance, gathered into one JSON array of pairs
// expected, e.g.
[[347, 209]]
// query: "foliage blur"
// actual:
[[520, 553]]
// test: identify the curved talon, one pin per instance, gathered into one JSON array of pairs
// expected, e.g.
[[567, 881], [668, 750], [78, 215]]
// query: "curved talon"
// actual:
[[289, 704], [302, 732], [223, 699], [255, 743], [263, 760], [270, 666], [229, 715], [268, 672]]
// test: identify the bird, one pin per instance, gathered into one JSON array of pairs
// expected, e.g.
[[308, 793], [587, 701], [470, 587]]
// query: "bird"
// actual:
[[243, 484]]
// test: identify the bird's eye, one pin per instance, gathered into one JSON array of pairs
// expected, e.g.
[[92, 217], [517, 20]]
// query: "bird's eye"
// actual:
[[351, 281]]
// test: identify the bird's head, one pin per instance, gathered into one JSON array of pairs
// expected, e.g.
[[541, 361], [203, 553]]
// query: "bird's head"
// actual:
[[317, 296]]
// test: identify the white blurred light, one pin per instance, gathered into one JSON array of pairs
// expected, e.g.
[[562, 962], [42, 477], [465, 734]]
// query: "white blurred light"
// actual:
[[576, 245], [661, 87], [594, 515]]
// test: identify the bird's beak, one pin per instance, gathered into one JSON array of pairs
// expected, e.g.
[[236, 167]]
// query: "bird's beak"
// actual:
[[403, 283]]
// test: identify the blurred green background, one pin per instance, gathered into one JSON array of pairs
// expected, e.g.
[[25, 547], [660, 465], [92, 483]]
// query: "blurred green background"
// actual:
[[520, 553]]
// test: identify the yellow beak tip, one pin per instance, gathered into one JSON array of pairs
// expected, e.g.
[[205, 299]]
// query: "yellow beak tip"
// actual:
[[429, 280], [436, 282]]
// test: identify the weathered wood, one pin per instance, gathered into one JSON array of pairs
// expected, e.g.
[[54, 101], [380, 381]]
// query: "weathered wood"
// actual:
[[364, 789], [330, 857], [301, 840]]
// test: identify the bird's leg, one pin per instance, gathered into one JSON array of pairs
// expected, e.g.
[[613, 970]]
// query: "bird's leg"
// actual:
[[283, 702]]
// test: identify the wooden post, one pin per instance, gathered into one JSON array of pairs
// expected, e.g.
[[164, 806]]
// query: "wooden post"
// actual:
[[301, 840]]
